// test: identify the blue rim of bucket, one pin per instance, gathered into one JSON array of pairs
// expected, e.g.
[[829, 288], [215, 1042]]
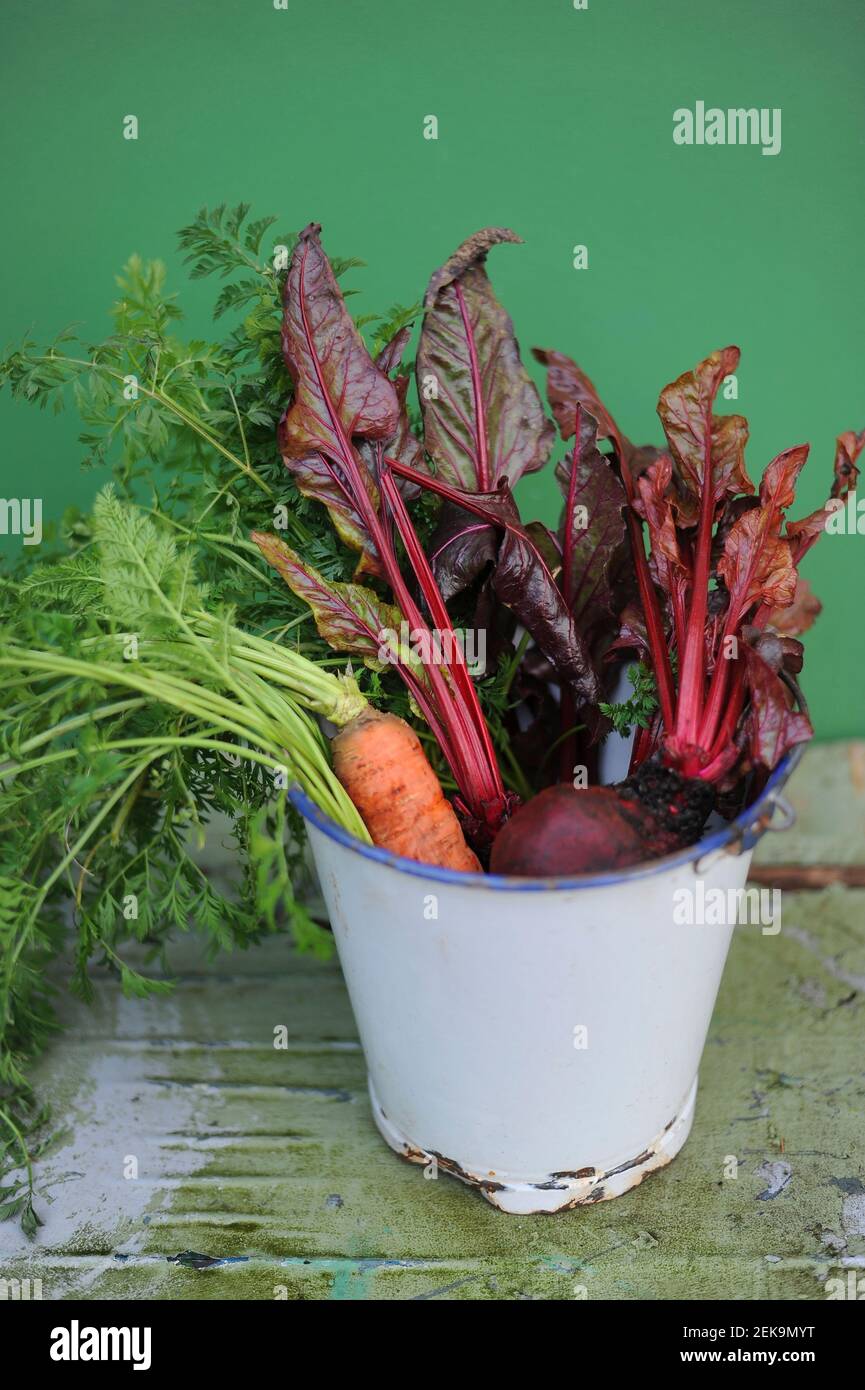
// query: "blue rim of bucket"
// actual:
[[744, 828]]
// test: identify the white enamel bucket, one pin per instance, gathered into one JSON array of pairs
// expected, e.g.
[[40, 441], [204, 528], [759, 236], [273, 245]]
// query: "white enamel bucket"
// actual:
[[537, 1038]]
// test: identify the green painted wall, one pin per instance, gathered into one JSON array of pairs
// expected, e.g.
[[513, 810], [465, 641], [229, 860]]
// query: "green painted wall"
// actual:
[[554, 121]]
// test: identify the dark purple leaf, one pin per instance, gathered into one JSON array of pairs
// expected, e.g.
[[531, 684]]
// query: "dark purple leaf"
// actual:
[[592, 530], [461, 547], [632, 633], [339, 392], [547, 544], [567, 387], [523, 582]]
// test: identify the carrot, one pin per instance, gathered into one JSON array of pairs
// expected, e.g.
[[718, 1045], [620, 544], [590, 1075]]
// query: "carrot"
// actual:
[[379, 760]]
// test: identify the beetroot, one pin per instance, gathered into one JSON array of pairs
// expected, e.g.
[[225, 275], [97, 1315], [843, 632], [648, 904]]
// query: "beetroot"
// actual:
[[565, 831]]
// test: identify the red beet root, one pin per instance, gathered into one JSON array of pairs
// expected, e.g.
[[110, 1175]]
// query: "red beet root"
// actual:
[[564, 831]]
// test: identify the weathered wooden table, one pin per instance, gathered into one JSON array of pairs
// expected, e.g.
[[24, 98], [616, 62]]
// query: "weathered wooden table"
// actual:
[[189, 1135]]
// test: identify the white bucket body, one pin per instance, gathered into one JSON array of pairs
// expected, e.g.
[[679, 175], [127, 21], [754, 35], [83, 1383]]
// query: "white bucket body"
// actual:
[[539, 1041]]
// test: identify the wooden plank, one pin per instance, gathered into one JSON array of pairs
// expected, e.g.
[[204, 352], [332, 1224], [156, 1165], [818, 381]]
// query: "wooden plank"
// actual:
[[797, 877]]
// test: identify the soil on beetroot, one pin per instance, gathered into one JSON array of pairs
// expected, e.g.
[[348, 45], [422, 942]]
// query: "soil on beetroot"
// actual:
[[565, 830]]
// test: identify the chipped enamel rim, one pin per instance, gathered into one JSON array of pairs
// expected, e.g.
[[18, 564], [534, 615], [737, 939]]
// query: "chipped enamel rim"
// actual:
[[737, 837], [558, 1191]]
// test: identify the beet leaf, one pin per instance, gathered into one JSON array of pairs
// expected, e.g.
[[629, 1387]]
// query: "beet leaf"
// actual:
[[343, 400], [483, 418]]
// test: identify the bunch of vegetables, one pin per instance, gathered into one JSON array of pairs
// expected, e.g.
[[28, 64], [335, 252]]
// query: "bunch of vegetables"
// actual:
[[155, 670], [720, 576]]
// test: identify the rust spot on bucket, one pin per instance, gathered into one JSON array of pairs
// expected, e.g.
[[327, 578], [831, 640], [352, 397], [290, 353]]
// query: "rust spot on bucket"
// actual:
[[644, 1157], [415, 1155], [592, 1185], [450, 1165]]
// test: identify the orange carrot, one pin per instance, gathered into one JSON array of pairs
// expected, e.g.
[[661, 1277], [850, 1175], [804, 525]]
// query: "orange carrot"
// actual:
[[379, 760]]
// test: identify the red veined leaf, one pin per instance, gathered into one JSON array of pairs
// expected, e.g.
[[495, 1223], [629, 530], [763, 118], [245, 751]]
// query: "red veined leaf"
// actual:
[[523, 582], [669, 569], [316, 477], [709, 465], [339, 392], [757, 567], [404, 445], [774, 727], [655, 507], [350, 617], [569, 388], [483, 417], [778, 484], [339, 395], [460, 548], [694, 433], [757, 564]]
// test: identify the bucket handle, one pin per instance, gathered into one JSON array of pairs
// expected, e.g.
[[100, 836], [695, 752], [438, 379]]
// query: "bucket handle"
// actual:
[[749, 834]]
